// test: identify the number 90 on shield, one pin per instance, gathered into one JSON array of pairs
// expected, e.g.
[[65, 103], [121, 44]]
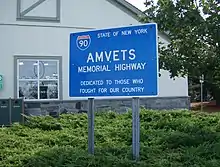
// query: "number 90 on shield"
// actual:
[[83, 42]]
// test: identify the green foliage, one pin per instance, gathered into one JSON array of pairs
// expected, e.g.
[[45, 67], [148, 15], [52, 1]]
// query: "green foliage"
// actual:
[[44, 123], [167, 138], [193, 27]]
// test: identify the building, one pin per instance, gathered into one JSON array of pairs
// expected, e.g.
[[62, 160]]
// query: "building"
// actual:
[[34, 49]]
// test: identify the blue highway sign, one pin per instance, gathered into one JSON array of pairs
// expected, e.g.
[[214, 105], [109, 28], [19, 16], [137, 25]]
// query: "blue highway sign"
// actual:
[[119, 61]]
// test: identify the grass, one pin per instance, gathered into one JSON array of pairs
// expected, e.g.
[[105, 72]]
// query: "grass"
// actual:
[[167, 139]]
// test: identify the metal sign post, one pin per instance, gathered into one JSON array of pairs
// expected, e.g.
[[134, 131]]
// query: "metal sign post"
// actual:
[[135, 128], [201, 91], [91, 117]]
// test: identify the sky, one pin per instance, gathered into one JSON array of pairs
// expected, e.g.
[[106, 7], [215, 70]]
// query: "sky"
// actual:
[[138, 3]]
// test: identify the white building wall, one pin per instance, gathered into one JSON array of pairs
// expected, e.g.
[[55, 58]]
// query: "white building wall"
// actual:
[[34, 38]]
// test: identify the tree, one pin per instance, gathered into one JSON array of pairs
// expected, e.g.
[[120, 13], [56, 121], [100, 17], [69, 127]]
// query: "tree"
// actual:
[[193, 27]]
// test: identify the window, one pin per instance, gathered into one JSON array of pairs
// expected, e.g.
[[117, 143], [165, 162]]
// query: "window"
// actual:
[[38, 10], [38, 79]]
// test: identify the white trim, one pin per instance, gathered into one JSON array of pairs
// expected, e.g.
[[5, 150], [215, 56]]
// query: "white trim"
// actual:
[[41, 100], [17, 77], [120, 97], [58, 78], [157, 52], [48, 79], [22, 15], [34, 59], [113, 28], [27, 79], [38, 80], [38, 77]]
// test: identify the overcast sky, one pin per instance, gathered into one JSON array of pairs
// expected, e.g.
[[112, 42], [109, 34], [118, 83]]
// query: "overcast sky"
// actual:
[[138, 3]]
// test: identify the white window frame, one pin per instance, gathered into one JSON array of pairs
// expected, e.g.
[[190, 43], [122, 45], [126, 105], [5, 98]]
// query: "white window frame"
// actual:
[[22, 15], [58, 61]]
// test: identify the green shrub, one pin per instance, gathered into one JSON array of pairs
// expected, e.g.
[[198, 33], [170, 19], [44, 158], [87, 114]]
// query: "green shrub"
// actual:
[[44, 123], [167, 138]]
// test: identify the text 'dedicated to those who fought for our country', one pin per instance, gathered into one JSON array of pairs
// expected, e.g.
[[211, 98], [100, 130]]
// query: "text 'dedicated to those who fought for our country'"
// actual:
[[114, 62], [114, 86]]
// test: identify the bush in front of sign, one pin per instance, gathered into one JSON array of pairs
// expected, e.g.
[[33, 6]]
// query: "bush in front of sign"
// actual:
[[167, 138]]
